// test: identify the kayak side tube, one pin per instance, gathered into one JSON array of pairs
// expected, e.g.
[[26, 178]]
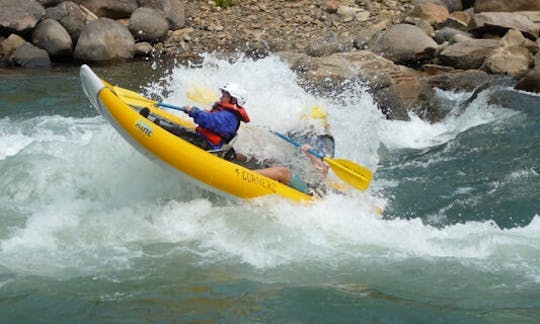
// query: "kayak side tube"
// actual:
[[208, 170]]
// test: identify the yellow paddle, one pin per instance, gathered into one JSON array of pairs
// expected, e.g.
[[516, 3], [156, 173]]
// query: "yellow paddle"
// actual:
[[135, 99], [348, 171], [198, 94], [201, 95]]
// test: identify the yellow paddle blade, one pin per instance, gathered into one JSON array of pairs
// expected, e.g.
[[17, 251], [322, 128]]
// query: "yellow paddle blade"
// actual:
[[133, 98], [350, 172], [201, 95]]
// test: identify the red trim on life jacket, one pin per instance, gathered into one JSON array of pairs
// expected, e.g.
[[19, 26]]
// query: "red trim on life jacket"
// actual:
[[215, 138], [240, 111], [210, 136]]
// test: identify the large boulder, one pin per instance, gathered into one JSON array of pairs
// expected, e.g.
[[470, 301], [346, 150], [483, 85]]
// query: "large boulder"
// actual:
[[69, 15], [514, 57], [174, 11], [530, 82], [513, 61], [53, 38], [19, 17], [506, 5], [405, 44], [103, 40], [30, 56], [10, 44], [147, 24], [533, 16], [430, 12], [502, 22], [115, 9], [396, 88], [458, 80], [468, 54]]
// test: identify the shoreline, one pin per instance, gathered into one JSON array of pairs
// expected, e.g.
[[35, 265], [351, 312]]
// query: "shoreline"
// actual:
[[402, 50]]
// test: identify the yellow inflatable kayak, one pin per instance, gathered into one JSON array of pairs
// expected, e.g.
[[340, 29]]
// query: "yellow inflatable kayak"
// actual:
[[121, 108]]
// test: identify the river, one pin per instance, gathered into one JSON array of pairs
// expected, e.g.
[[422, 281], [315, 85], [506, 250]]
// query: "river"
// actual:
[[92, 231]]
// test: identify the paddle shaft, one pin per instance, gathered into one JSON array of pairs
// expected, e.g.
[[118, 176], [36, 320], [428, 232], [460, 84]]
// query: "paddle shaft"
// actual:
[[295, 143], [166, 105]]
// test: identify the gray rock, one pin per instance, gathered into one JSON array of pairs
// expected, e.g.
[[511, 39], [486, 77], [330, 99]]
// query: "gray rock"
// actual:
[[103, 40], [147, 24], [455, 23], [511, 60], [429, 12], [329, 46], [69, 15], [143, 49], [19, 17], [404, 44], [530, 82], [460, 38], [174, 11], [506, 5], [53, 38], [533, 16], [10, 44], [501, 22], [458, 80], [29, 56], [446, 34], [468, 54], [115, 9], [397, 89]]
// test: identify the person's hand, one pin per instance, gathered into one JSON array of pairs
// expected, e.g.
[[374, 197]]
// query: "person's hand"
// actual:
[[187, 108], [305, 148]]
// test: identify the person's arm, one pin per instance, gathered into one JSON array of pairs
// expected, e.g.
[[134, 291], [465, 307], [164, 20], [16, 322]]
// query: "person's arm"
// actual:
[[222, 122], [319, 164]]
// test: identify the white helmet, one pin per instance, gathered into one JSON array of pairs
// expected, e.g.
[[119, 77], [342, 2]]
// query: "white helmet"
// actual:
[[236, 92]]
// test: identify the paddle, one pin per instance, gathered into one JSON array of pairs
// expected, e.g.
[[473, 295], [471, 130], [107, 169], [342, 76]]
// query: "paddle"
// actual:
[[201, 95], [133, 97], [348, 171]]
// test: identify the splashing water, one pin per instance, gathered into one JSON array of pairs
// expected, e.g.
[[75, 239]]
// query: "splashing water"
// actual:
[[78, 202]]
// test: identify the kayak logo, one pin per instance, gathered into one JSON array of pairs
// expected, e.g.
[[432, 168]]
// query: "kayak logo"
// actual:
[[144, 127], [254, 179]]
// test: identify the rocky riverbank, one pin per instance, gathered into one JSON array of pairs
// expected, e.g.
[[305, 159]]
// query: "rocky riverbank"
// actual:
[[401, 49]]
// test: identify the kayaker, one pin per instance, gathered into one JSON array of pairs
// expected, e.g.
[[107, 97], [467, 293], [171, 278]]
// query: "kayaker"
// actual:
[[215, 127], [219, 125], [315, 133]]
